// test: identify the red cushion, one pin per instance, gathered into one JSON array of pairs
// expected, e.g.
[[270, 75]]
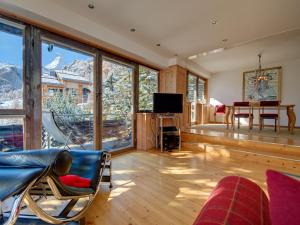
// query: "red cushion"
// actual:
[[284, 193], [75, 181], [220, 109], [235, 201]]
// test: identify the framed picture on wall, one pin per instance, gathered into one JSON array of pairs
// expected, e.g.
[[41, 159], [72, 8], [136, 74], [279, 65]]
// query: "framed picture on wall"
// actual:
[[267, 89]]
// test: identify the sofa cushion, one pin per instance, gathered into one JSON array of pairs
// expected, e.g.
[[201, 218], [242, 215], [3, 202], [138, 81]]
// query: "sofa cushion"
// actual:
[[220, 109], [235, 201], [75, 181], [284, 193]]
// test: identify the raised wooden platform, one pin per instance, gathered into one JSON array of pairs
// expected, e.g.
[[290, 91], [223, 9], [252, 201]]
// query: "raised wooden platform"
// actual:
[[281, 149]]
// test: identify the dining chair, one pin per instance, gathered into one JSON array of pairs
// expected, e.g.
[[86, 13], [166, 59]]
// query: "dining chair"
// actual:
[[242, 110], [219, 112], [273, 113]]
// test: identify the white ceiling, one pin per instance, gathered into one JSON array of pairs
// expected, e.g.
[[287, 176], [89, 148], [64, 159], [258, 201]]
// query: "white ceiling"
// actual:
[[182, 27], [275, 49]]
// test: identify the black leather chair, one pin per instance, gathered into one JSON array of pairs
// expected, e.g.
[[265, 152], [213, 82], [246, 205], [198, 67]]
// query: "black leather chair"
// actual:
[[22, 172]]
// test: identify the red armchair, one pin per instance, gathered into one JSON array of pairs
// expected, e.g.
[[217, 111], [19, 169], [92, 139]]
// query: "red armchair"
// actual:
[[219, 110]]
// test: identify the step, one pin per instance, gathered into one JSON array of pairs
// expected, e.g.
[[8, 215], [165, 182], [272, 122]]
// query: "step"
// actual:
[[284, 150], [223, 152]]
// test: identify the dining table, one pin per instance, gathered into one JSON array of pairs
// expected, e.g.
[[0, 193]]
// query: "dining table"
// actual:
[[289, 108]]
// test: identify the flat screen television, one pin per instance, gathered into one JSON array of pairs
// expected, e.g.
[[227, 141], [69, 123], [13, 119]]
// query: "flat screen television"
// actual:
[[167, 103]]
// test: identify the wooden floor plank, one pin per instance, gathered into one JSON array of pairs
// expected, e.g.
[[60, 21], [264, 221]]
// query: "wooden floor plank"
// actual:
[[153, 188]]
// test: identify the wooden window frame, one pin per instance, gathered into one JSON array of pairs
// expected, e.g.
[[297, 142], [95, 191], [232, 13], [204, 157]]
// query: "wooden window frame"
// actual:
[[197, 81], [138, 83], [20, 113], [32, 112], [97, 73], [134, 66]]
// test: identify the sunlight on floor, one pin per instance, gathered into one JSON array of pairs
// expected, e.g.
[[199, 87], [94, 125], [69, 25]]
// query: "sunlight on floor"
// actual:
[[117, 192], [156, 188]]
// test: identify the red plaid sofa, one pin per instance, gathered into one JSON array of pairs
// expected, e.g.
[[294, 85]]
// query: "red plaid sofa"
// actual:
[[235, 201]]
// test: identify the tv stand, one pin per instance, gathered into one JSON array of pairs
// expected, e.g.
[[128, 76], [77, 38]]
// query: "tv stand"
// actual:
[[166, 115], [170, 133]]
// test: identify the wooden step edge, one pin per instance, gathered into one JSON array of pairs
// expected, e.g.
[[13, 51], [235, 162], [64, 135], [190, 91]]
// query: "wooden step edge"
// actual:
[[203, 147], [271, 160], [226, 153], [190, 137], [284, 149]]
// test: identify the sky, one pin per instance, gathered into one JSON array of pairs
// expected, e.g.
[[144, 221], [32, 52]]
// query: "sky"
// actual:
[[67, 55], [11, 51]]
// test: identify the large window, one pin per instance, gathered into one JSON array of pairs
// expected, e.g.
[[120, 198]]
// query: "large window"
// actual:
[[67, 93], [11, 86], [117, 105], [196, 88], [192, 88], [196, 93], [148, 84], [53, 92], [201, 95]]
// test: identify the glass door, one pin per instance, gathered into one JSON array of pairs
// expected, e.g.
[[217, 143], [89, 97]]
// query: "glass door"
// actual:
[[11, 86], [117, 105], [67, 96], [192, 95]]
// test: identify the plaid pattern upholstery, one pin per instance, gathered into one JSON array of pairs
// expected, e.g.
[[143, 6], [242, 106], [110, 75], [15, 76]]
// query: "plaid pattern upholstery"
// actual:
[[235, 201]]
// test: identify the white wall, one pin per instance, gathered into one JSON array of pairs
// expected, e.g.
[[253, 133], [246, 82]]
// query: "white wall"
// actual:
[[227, 87]]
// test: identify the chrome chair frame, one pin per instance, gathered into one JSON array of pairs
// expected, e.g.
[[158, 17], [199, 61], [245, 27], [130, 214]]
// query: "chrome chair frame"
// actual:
[[25, 197]]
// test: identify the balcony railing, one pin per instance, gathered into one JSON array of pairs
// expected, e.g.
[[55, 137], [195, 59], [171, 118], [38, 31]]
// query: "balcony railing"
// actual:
[[11, 137], [116, 132]]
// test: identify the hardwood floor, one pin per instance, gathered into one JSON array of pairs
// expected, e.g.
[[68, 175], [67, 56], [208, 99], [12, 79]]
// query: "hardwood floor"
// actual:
[[153, 188]]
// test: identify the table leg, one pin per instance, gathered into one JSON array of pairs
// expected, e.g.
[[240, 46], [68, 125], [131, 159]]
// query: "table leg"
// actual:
[[227, 114], [161, 134], [292, 119], [232, 118]]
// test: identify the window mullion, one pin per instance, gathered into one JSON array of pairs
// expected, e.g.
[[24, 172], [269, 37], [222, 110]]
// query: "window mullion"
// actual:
[[33, 85]]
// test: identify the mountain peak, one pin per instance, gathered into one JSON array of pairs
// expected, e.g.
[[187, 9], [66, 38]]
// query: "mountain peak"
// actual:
[[55, 64]]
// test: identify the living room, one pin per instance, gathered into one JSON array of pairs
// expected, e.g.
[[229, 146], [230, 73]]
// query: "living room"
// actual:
[[149, 112]]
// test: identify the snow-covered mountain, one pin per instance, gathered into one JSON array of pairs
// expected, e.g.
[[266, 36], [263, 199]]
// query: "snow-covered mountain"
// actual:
[[10, 77], [82, 68], [56, 64]]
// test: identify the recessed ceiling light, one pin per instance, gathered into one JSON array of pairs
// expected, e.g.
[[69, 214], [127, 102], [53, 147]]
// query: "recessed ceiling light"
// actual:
[[91, 6], [193, 57], [216, 50], [213, 21], [157, 45]]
